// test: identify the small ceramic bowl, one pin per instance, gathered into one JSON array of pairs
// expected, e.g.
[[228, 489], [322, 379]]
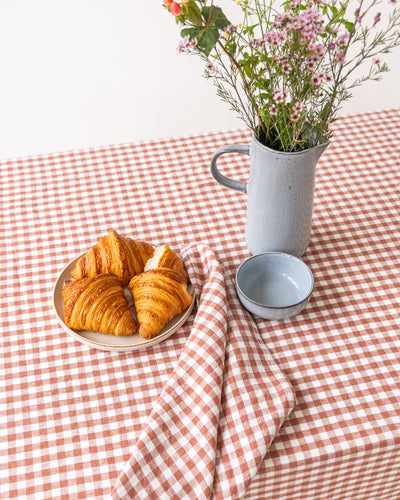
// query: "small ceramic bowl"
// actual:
[[274, 285]]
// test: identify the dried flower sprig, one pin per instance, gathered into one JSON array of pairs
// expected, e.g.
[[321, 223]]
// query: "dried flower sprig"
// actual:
[[286, 73]]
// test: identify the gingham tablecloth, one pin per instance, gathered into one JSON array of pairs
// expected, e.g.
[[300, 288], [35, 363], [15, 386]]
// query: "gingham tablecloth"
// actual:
[[72, 416]]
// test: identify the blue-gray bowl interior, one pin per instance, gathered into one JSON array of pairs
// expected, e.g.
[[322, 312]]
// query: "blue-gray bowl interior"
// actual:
[[275, 280]]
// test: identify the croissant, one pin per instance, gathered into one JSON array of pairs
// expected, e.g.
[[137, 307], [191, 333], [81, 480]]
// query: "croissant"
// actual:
[[165, 257], [159, 295], [114, 254], [97, 304]]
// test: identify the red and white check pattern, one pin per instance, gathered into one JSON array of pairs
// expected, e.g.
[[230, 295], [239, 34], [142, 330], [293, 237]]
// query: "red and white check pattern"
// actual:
[[71, 416], [220, 409]]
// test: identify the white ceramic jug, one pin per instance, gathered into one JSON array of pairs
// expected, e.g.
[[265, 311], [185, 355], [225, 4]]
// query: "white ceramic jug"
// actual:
[[280, 196]]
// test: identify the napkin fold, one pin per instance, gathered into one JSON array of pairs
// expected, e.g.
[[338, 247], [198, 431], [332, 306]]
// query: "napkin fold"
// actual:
[[224, 403]]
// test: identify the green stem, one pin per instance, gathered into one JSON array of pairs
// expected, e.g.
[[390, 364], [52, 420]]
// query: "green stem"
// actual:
[[336, 86], [247, 87]]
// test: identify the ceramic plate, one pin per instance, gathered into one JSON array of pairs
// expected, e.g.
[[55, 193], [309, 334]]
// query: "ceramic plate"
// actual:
[[112, 342]]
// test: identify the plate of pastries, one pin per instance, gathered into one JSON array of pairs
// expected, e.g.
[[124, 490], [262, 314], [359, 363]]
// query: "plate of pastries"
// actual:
[[123, 294]]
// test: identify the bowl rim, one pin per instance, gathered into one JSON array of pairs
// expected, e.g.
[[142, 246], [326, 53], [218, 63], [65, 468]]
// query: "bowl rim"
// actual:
[[282, 254]]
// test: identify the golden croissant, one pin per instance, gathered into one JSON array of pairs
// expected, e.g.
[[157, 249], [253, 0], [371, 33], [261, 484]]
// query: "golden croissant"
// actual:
[[165, 257], [114, 254], [159, 295], [97, 304]]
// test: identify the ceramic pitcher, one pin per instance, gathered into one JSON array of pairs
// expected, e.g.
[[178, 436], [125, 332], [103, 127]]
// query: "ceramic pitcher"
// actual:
[[280, 196]]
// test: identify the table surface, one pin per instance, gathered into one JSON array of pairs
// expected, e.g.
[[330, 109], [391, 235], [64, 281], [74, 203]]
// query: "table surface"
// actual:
[[70, 413]]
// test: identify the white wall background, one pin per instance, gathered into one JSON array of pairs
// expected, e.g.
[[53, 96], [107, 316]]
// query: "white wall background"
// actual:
[[82, 73]]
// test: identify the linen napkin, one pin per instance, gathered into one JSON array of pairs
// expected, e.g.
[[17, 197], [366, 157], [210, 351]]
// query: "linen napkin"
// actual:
[[221, 408]]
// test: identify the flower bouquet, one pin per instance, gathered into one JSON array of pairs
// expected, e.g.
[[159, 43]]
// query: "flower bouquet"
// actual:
[[286, 71]]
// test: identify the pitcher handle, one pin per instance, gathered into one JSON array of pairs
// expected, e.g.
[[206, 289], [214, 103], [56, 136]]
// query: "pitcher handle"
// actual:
[[226, 181]]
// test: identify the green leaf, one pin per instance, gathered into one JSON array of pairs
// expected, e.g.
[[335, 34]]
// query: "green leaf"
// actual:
[[333, 9], [263, 84], [250, 29], [206, 38], [192, 13], [192, 32], [216, 17], [348, 25]]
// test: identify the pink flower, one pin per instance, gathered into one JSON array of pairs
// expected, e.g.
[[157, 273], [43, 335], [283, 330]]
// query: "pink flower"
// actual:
[[295, 25], [286, 68], [275, 38], [257, 42], [343, 39], [294, 117], [272, 37], [279, 95], [310, 66], [340, 57], [273, 110], [298, 106], [186, 43], [310, 35], [316, 16], [307, 27], [316, 80], [231, 28]]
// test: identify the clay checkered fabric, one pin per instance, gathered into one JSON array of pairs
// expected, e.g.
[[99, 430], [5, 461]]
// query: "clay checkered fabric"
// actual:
[[75, 420], [221, 408]]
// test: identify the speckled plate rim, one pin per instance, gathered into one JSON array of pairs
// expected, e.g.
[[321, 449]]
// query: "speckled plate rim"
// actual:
[[112, 342]]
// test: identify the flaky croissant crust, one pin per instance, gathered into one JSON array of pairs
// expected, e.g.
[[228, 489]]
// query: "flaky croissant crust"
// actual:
[[165, 257], [159, 295], [98, 304], [114, 254]]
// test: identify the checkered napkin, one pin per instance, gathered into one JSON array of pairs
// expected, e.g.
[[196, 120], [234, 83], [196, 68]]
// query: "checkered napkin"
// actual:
[[221, 408]]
